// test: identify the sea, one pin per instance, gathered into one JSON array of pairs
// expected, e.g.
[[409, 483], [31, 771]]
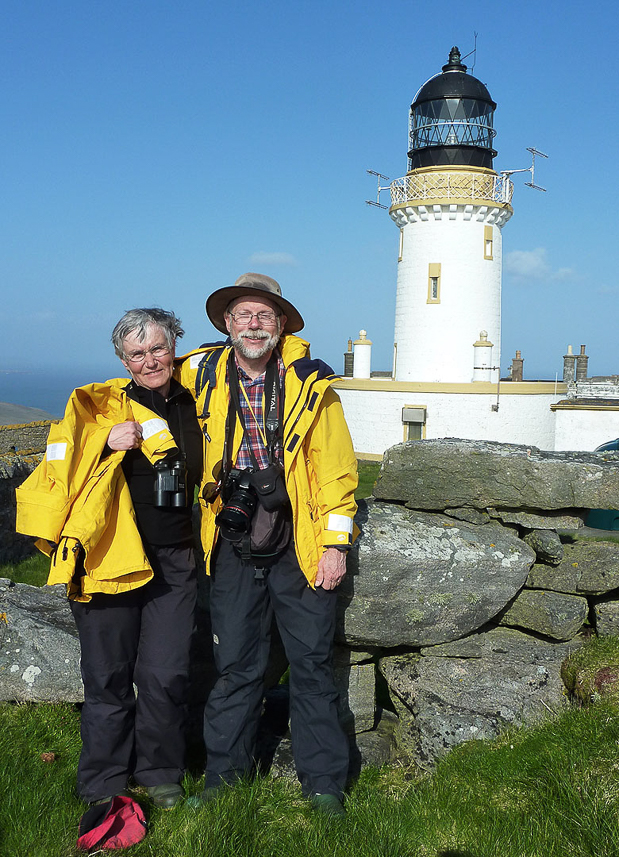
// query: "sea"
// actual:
[[50, 390]]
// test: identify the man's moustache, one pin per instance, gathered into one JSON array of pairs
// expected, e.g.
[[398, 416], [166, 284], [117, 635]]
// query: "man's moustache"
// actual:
[[255, 334]]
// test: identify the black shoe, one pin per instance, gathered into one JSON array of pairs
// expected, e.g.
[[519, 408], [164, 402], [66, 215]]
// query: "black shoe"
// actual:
[[165, 795], [329, 805], [210, 794]]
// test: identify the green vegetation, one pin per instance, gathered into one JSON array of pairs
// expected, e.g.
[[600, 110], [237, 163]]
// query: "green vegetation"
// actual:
[[368, 473], [592, 671], [544, 792], [33, 570]]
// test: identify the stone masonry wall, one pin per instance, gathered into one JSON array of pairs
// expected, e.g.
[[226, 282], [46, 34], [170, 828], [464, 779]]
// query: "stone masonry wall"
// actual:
[[467, 589], [28, 438]]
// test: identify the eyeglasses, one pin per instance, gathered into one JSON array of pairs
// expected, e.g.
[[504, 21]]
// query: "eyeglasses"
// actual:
[[265, 316], [157, 351]]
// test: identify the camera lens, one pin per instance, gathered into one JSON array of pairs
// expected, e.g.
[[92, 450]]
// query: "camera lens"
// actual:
[[236, 515]]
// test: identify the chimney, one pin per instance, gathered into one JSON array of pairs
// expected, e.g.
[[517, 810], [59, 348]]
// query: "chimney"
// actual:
[[482, 358], [569, 366], [516, 371], [348, 361], [362, 356], [581, 365]]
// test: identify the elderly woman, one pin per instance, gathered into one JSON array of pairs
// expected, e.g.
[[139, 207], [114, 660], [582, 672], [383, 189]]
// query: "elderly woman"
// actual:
[[118, 478]]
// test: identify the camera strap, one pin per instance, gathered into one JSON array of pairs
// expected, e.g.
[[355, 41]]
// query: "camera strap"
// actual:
[[273, 407]]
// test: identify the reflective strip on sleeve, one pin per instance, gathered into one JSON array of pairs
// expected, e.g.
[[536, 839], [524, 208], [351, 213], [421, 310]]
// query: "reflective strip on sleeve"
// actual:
[[194, 360], [56, 451], [339, 523], [151, 427]]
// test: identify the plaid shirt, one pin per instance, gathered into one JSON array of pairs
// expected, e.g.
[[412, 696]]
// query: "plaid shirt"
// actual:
[[255, 393]]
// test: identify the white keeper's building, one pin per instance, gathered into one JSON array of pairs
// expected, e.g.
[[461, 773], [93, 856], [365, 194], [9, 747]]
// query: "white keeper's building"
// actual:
[[450, 208]]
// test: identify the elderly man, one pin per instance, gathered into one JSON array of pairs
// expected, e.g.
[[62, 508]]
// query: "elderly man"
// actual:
[[277, 522]]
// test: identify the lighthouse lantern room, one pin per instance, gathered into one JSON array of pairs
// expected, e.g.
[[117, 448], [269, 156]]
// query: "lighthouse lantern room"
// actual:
[[450, 208]]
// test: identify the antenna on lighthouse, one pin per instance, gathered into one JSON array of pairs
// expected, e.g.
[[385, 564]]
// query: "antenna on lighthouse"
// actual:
[[534, 152], [507, 173], [379, 176]]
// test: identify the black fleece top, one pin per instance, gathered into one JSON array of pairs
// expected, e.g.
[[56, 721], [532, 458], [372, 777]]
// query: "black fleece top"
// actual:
[[165, 525]]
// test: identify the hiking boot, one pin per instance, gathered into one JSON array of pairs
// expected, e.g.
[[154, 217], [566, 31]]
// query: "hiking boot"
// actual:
[[165, 795], [327, 805], [208, 795]]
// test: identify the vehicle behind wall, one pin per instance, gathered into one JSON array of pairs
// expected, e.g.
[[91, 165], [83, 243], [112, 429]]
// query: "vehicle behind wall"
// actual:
[[604, 519]]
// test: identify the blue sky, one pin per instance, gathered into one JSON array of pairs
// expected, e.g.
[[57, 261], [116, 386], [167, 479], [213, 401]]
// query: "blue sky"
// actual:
[[152, 151]]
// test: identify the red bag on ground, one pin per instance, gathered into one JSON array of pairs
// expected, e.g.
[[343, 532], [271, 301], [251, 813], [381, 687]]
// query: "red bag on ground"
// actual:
[[117, 824]]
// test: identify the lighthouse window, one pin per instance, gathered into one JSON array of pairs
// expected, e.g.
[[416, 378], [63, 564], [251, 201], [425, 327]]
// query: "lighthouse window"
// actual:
[[401, 245], [434, 283], [487, 242]]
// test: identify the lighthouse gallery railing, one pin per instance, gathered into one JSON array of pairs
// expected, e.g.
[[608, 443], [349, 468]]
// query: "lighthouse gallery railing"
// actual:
[[451, 185]]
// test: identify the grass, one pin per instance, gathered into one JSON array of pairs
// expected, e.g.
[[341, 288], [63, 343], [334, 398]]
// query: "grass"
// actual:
[[368, 474], [551, 791], [33, 570]]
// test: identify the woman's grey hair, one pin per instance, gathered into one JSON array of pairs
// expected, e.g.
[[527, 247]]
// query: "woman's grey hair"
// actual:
[[139, 320]]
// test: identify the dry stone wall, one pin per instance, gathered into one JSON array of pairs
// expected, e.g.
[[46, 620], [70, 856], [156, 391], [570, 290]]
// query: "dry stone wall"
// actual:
[[465, 592], [470, 583], [24, 439]]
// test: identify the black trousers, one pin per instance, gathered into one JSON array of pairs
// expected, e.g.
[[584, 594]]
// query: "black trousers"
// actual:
[[140, 637], [242, 608]]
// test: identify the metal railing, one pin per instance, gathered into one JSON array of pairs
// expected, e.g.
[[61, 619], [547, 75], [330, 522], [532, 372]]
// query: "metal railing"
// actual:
[[451, 185]]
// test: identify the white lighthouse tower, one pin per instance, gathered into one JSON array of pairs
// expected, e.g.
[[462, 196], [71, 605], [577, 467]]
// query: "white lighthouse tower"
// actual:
[[450, 208]]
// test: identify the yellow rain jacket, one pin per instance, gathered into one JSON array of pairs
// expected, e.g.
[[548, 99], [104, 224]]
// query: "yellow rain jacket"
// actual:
[[319, 461], [75, 499]]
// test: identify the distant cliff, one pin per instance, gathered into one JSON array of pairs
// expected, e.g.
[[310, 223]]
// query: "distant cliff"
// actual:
[[19, 414]]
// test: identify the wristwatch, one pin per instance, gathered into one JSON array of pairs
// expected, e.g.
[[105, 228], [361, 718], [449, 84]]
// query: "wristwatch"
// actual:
[[340, 548]]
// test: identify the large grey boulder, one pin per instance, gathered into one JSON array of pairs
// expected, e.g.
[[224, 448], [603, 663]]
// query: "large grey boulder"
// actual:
[[444, 701], [587, 568], [452, 473], [355, 679], [39, 647], [417, 579], [552, 614]]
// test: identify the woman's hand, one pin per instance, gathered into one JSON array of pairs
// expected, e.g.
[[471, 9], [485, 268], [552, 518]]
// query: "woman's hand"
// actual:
[[125, 436]]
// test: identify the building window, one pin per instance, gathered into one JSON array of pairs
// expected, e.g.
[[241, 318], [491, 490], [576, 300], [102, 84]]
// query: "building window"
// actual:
[[413, 431], [401, 245], [414, 420], [488, 242], [434, 283]]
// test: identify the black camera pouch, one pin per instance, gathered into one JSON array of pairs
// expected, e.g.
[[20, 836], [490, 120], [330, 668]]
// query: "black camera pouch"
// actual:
[[270, 487]]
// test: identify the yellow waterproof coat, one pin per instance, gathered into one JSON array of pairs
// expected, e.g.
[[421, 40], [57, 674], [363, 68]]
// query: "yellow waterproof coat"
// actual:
[[319, 461], [75, 499]]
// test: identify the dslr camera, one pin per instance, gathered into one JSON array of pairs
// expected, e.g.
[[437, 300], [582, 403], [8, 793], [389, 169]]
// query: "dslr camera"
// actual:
[[171, 482], [239, 505]]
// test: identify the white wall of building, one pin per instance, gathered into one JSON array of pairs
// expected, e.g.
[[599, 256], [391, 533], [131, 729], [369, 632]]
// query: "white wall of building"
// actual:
[[374, 417], [435, 340], [585, 428]]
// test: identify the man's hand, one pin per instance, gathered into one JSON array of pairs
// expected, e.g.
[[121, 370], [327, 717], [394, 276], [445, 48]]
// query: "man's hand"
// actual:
[[125, 436], [331, 568]]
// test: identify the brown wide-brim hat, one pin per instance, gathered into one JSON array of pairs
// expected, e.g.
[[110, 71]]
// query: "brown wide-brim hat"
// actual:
[[251, 286]]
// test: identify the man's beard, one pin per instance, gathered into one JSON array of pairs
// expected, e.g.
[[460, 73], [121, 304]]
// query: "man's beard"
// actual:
[[253, 352]]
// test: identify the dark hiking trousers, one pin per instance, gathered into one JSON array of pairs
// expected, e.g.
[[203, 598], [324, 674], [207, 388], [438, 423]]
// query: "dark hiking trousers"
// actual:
[[142, 637], [242, 608]]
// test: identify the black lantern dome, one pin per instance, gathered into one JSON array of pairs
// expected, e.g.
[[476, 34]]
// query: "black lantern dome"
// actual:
[[451, 120]]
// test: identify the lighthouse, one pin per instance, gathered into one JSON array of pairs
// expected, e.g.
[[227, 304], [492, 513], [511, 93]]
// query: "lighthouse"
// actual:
[[450, 208]]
